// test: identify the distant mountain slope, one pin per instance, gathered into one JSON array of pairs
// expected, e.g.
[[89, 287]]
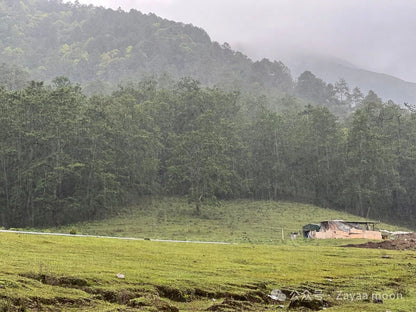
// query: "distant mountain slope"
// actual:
[[100, 47], [86, 43], [332, 69]]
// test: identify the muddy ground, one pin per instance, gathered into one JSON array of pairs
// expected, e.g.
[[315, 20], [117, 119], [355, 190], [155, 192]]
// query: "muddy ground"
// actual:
[[396, 242]]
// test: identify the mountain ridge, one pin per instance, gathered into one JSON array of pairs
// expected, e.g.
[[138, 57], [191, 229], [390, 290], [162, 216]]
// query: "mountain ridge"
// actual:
[[87, 44], [331, 69], [101, 48]]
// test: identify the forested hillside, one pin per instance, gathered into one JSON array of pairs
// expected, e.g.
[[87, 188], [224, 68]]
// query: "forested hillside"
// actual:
[[66, 157], [93, 44], [102, 48]]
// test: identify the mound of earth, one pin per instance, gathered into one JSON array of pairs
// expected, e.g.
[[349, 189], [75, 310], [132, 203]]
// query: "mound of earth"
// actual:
[[398, 242]]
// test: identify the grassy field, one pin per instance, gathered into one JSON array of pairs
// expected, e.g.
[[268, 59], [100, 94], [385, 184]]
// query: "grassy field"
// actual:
[[44, 273], [243, 221]]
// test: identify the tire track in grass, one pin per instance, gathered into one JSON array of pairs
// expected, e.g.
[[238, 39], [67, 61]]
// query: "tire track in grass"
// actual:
[[114, 237]]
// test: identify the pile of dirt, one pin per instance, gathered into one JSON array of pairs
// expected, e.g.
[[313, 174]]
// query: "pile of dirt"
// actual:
[[397, 242]]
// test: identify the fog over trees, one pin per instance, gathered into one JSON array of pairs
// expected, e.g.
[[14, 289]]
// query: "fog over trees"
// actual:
[[101, 107], [67, 157]]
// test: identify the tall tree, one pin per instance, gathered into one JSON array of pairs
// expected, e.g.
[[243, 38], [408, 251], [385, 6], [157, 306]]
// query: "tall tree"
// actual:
[[203, 144]]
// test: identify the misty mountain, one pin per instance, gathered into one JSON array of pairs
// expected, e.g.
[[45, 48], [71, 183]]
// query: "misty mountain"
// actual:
[[332, 69], [99, 47]]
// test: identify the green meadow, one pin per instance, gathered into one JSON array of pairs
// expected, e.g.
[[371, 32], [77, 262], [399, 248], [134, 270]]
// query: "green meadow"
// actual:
[[51, 273], [44, 273], [237, 221]]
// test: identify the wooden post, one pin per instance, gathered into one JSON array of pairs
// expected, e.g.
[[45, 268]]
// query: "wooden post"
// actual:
[[283, 235]]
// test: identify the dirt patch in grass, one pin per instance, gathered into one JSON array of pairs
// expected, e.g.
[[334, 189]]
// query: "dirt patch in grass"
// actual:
[[63, 281], [152, 301], [121, 296], [201, 293], [310, 304], [399, 242], [230, 304], [156, 296], [173, 294], [37, 301], [11, 304]]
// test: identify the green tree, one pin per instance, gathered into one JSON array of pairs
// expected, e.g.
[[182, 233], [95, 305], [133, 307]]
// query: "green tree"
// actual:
[[357, 97], [203, 145], [374, 145], [342, 90]]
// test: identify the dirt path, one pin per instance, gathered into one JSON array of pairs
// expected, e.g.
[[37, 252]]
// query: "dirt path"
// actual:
[[113, 237]]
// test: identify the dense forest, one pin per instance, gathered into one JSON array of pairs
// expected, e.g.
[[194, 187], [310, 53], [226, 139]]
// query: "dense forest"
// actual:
[[66, 157], [102, 48], [81, 150]]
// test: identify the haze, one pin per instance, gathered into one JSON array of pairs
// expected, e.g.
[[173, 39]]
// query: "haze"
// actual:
[[377, 35]]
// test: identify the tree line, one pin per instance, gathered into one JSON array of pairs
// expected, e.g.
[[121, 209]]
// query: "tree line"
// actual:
[[66, 157]]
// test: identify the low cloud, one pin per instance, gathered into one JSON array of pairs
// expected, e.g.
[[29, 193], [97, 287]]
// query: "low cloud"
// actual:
[[374, 34]]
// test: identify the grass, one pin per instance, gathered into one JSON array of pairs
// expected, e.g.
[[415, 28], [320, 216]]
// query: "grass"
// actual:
[[47, 273], [242, 221], [38, 273]]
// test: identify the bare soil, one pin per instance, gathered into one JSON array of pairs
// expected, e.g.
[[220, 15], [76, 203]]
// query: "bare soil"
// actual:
[[397, 242]]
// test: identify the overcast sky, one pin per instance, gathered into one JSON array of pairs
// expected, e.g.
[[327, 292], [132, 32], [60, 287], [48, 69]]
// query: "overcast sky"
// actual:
[[378, 35]]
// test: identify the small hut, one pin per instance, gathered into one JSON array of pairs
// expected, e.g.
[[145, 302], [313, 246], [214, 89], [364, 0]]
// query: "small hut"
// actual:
[[341, 229]]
